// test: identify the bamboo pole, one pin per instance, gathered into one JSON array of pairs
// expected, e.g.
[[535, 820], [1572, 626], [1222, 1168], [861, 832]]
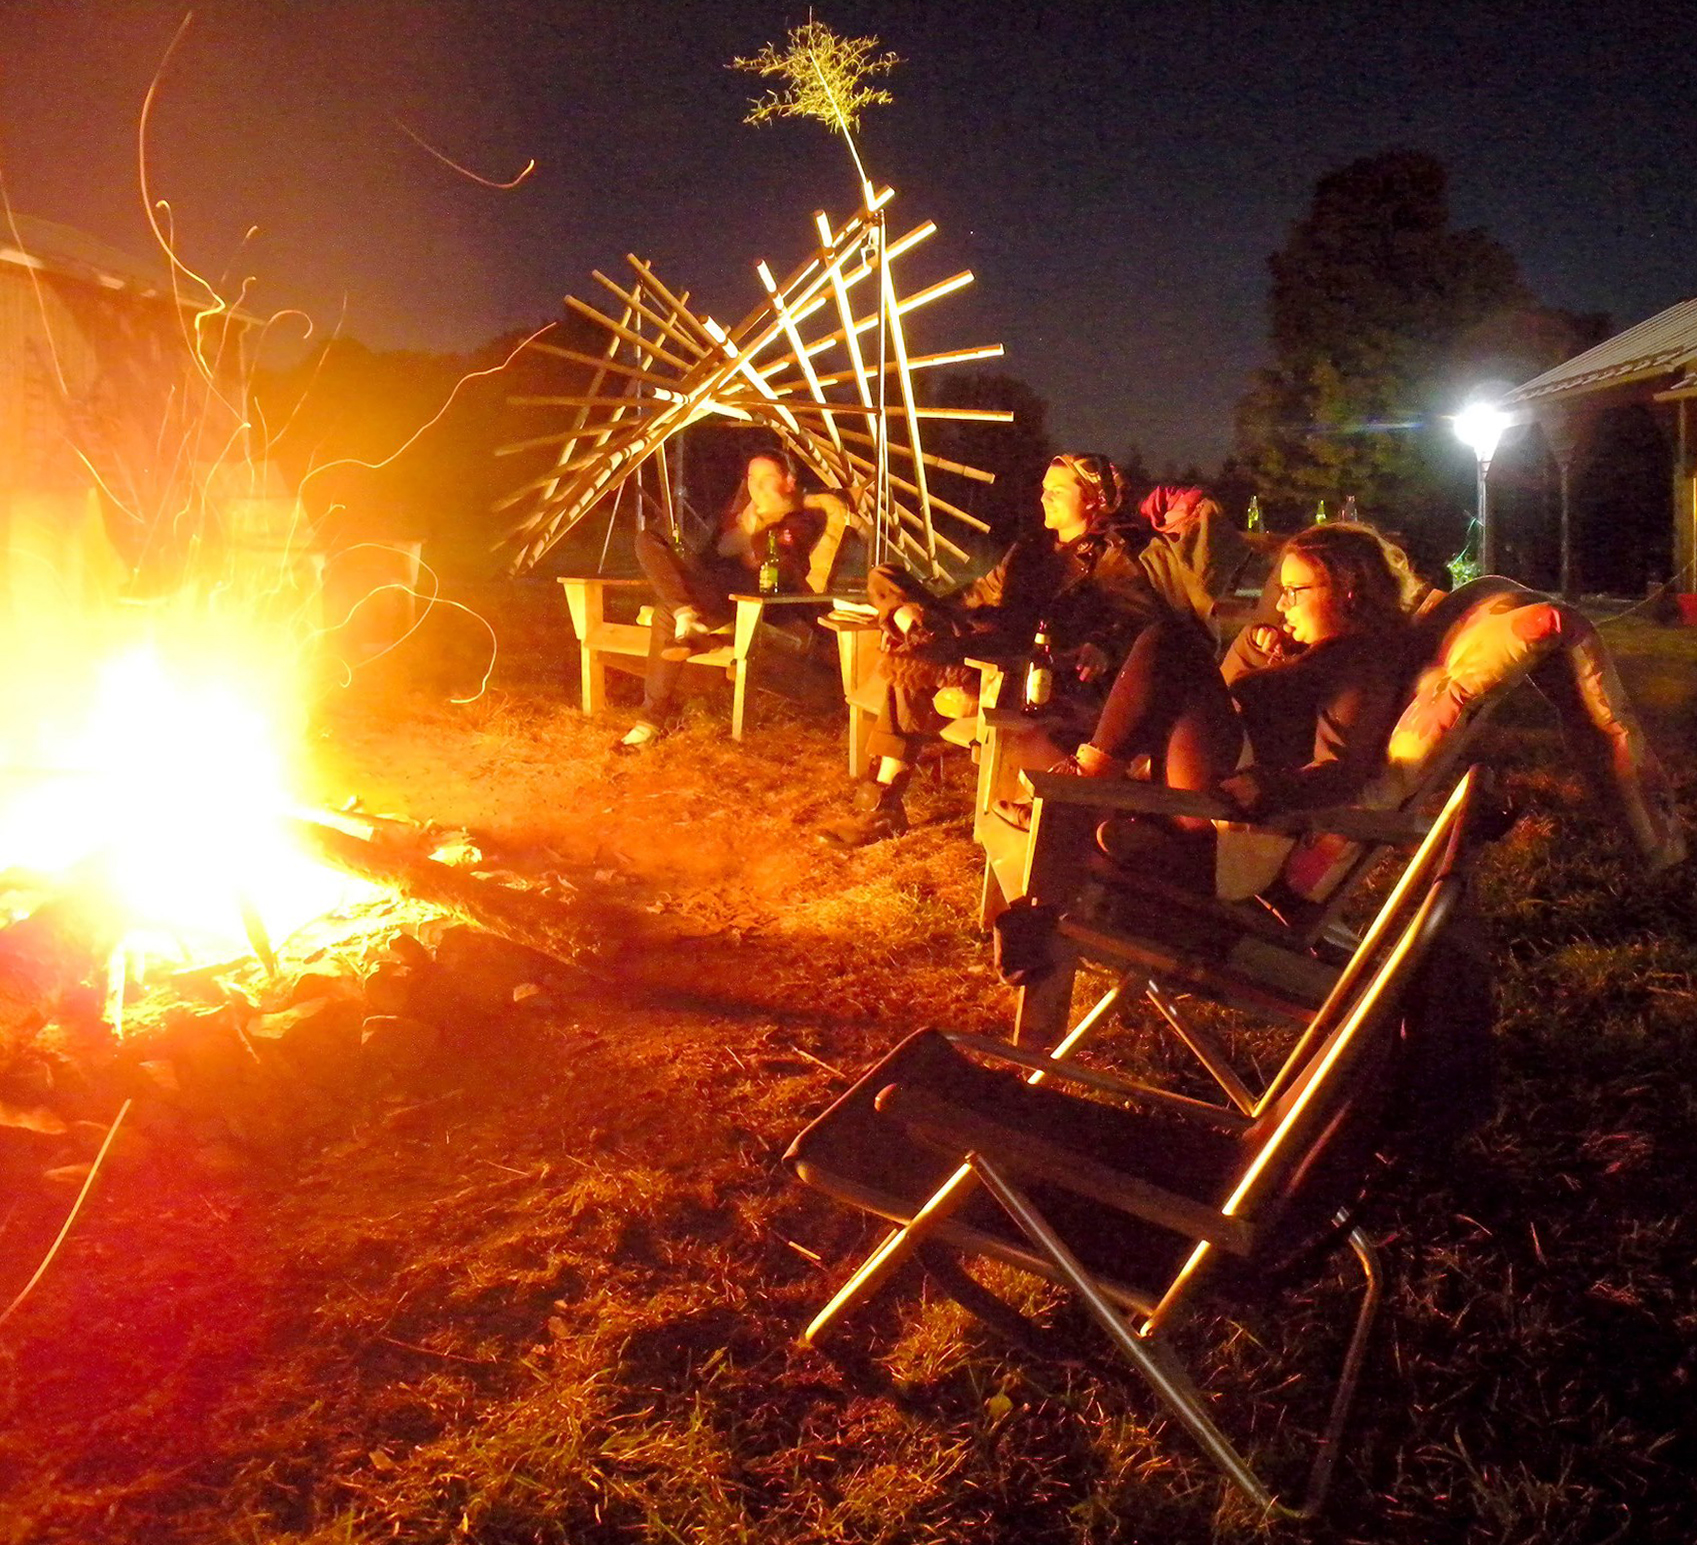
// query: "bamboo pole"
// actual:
[[851, 279], [671, 514], [904, 378], [943, 504], [680, 309], [914, 302], [959, 468], [670, 327], [633, 372], [839, 292], [915, 362], [804, 275], [584, 309], [594, 385], [801, 355]]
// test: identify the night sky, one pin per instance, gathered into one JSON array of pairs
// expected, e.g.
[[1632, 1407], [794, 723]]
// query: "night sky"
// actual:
[[1115, 175]]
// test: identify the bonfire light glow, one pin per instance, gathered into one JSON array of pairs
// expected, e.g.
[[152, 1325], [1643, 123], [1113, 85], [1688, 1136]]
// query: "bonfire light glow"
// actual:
[[167, 783]]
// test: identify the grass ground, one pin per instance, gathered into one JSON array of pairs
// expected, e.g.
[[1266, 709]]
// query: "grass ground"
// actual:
[[551, 1293]]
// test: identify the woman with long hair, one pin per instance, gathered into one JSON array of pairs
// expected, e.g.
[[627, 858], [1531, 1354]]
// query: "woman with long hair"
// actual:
[[1298, 715]]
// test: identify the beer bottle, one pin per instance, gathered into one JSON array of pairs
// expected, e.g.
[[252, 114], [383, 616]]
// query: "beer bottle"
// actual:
[[1350, 512], [1252, 520], [769, 569], [1039, 671], [1320, 515]]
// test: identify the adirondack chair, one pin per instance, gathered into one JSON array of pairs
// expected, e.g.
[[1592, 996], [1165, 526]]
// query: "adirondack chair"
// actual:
[[602, 642], [1271, 937], [974, 1148]]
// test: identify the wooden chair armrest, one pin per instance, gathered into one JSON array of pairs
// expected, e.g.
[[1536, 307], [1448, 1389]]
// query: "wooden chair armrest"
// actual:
[[837, 624], [1127, 794], [604, 581], [954, 1125], [1130, 795], [786, 599], [1403, 828], [1015, 718], [1222, 1116]]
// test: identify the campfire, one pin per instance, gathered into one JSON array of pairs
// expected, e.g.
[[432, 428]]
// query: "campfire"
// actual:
[[155, 784]]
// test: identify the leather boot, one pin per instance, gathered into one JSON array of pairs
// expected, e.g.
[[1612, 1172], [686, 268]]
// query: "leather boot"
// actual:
[[878, 813]]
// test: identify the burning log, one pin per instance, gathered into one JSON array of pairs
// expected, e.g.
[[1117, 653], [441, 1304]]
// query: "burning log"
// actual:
[[537, 923], [49, 953]]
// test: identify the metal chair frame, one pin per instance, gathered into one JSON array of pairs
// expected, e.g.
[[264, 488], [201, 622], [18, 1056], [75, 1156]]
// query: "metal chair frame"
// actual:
[[1336, 1072]]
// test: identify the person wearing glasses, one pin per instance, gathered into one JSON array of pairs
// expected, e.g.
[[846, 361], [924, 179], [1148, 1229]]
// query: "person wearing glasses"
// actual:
[[1083, 575], [1296, 717]]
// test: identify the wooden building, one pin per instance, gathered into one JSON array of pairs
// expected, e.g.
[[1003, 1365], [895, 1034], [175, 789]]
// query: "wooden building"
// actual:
[[124, 456], [1653, 363]]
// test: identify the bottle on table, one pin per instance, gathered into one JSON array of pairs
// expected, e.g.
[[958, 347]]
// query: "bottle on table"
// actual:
[[1320, 515], [1252, 520], [1350, 512], [1039, 671], [769, 567]]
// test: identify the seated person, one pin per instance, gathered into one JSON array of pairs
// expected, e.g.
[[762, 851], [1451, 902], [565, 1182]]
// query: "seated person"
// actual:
[[1313, 717], [1204, 545], [693, 591], [1083, 577]]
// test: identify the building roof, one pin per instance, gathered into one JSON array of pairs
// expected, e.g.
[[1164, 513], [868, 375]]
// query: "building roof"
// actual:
[[26, 242], [1660, 345]]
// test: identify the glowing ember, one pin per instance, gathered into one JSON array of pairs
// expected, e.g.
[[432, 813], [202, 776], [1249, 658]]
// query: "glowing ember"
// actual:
[[169, 785]]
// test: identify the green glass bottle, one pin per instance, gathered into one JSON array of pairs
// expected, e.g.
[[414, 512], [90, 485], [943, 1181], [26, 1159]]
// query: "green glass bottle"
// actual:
[[769, 569], [1320, 515], [1252, 519]]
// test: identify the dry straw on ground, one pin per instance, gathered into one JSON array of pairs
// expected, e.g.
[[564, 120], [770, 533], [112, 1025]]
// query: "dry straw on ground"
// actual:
[[551, 1292]]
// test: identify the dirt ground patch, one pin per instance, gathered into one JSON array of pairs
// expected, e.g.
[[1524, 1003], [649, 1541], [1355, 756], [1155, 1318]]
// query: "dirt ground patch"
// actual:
[[549, 1291]]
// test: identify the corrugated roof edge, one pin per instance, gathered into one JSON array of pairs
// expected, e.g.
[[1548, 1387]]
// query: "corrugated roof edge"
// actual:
[[28, 242], [1658, 345]]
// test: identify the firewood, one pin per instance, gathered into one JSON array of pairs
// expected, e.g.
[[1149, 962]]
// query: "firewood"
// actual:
[[541, 924]]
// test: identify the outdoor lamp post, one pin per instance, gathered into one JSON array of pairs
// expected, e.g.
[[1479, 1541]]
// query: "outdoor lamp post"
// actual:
[[1479, 426]]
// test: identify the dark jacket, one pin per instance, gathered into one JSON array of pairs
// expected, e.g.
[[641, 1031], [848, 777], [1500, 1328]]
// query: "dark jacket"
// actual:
[[1318, 721], [1094, 590], [796, 535]]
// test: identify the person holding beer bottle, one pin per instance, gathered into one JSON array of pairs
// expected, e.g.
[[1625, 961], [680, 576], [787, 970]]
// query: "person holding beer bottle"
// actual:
[[765, 539]]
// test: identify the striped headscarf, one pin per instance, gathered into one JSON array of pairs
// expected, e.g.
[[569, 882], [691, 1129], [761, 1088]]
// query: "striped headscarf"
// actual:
[[1104, 486]]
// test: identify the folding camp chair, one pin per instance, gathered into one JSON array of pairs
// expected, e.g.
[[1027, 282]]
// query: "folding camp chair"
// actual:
[[1138, 1206], [1271, 937]]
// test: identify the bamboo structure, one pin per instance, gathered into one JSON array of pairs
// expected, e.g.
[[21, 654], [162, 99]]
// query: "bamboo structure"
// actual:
[[664, 367]]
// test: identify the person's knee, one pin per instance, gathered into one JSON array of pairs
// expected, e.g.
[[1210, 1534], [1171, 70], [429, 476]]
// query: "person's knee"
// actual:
[[654, 552], [887, 587]]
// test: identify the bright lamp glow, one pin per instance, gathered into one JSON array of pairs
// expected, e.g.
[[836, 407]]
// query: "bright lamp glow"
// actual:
[[1479, 426]]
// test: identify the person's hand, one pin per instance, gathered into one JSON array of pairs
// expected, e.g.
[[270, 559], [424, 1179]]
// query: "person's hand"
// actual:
[[1092, 661], [907, 617], [1243, 789], [1273, 642]]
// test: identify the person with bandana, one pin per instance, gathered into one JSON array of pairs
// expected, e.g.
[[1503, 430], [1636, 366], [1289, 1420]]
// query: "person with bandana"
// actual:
[[1202, 550], [1083, 576]]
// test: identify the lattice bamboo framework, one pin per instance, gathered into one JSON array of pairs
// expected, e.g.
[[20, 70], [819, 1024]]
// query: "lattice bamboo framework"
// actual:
[[813, 362]]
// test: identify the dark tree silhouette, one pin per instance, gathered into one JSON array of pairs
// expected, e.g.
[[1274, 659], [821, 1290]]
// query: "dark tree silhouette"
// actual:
[[1382, 315]]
